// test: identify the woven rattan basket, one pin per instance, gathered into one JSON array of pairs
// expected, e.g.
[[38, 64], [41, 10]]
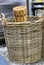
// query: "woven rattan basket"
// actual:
[[23, 39]]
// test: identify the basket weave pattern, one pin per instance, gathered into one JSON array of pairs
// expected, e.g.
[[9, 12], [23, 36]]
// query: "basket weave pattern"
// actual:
[[24, 42]]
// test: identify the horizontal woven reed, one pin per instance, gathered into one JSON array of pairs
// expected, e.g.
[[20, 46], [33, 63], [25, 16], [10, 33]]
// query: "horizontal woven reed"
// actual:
[[24, 39]]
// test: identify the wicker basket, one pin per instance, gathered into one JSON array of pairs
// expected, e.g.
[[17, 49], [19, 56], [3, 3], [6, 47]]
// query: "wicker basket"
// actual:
[[24, 39]]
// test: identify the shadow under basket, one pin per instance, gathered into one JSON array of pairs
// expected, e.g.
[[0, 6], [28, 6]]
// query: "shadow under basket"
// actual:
[[24, 39]]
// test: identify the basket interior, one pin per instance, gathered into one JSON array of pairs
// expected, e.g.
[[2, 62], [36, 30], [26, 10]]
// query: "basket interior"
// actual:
[[31, 19]]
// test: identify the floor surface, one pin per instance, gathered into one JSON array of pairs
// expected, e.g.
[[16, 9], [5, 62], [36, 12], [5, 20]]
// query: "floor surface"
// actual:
[[4, 53]]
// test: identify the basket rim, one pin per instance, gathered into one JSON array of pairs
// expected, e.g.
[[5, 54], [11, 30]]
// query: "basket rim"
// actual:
[[18, 23]]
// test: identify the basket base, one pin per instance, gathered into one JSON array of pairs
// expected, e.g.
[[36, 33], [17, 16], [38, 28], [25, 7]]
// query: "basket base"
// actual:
[[30, 62]]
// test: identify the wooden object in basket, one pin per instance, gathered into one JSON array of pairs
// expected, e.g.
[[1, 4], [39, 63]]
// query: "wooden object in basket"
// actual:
[[20, 13]]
